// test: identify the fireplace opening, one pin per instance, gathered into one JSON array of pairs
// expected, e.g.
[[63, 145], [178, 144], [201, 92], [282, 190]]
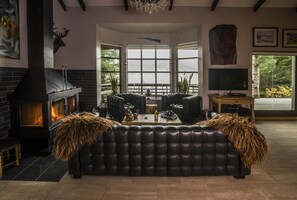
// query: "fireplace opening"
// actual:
[[58, 110], [72, 104], [31, 115]]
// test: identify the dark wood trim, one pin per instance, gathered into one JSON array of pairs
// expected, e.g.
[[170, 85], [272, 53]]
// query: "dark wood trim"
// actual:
[[171, 5], [258, 5], [214, 4], [62, 4], [82, 4], [126, 4]]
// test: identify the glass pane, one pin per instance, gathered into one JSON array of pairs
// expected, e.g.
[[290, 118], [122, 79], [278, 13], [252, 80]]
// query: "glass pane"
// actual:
[[148, 65], [110, 64], [148, 53], [134, 78], [273, 83], [149, 78], [188, 65], [163, 53], [163, 78], [110, 53], [58, 111], [194, 79], [187, 53], [31, 114], [163, 65], [133, 53], [134, 65]]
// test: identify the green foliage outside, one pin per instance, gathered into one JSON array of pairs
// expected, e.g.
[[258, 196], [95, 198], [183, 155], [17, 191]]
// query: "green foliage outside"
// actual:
[[109, 63], [114, 81], [275, 76]]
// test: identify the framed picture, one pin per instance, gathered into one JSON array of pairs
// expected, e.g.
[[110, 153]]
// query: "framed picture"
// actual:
[[265, 37], [9, 29], [290, 38]]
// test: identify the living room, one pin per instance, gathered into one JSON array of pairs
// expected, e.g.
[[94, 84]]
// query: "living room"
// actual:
[[186, 23]]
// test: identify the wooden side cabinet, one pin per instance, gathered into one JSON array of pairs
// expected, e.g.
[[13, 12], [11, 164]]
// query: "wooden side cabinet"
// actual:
[[241, 100]]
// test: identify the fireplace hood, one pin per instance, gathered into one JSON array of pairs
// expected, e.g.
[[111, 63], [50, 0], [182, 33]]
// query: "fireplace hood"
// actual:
[[41, 81], [43, 97]]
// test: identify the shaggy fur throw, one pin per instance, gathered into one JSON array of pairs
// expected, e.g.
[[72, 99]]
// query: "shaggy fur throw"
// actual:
[[77, 130], [247, 140]]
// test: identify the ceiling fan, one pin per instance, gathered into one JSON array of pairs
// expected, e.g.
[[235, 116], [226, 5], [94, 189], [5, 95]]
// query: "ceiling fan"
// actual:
[[150, 39]]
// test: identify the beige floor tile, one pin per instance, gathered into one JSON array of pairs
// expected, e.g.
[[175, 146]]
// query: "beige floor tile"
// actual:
[[274, 179]]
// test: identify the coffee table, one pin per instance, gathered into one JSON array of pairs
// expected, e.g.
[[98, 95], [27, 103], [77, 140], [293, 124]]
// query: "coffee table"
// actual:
[[148, 119]]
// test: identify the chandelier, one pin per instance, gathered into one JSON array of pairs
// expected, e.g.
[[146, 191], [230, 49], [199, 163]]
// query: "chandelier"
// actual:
[[149, 6]]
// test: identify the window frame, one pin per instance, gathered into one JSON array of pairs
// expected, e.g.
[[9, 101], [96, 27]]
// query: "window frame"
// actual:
[[156, 86]]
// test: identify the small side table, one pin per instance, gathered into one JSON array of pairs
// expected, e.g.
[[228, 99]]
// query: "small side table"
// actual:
[[6, 145]]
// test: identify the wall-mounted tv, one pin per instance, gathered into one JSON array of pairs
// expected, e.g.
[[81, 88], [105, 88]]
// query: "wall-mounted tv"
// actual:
[[228, 79]]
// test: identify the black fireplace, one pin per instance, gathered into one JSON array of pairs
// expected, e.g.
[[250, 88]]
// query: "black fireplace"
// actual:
[[43, 97]]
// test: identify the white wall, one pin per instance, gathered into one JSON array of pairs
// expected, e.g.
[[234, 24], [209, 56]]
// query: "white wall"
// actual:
[[80, 52], [81, 42]]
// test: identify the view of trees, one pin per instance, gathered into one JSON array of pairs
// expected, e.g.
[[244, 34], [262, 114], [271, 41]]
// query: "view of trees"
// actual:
[[273, 76], [110, 70]]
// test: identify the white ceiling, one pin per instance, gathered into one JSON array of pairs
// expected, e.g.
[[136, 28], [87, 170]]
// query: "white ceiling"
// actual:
[[201, 3]]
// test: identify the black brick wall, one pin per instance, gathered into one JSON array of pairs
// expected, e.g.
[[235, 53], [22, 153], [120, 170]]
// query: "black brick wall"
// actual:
[[9, 79], [86, 79]]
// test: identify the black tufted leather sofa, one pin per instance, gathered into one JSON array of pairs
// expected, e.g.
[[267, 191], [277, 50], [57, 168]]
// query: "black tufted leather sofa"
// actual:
[[186, 106], [116, 104], [158, 151]]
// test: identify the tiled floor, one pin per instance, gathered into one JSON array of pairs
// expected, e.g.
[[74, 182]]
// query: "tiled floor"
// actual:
[[275, 179]]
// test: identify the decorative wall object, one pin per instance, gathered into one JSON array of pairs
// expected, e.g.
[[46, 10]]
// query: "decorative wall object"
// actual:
[[290, 38], [222, 44], [58, 38], [265, 37], [9, 29]]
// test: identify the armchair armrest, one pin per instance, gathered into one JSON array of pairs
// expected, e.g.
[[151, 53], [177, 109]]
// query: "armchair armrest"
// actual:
[[192, 106], [169, 99], [139, 101], [115, 107]]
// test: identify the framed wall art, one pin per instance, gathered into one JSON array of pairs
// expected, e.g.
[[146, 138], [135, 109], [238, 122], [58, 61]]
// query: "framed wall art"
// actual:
[[9, 29], [290, 38], [265, 37]]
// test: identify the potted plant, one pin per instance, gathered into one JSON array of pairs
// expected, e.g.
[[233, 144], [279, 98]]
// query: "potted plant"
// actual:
[[185, 83], [113, 79]]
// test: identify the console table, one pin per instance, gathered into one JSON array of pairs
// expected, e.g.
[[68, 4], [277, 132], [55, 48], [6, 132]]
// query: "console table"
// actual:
[[222, 99]]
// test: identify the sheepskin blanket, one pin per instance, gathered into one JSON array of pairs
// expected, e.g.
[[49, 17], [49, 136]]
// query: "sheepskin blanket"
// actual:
[[247, 140], [77, 130]]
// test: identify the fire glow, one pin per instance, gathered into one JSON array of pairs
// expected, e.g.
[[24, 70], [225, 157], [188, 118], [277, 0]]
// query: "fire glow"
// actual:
[[57, 111]]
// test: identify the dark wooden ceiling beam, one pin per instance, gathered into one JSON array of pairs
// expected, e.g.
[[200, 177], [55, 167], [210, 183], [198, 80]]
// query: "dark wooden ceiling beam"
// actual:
[[126, 4], [214, 4], [82, 4], [171, 5], [258, 5], [62, 4]]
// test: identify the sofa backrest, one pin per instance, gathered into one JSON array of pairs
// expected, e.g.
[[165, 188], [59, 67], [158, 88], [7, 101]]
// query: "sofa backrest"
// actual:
[[159, 150]]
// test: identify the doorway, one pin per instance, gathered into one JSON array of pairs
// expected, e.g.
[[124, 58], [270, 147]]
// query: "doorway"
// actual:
[[274, 83]]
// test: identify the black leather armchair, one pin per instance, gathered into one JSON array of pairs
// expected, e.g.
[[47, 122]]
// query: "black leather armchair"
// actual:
[[116, 104], [185, 106]]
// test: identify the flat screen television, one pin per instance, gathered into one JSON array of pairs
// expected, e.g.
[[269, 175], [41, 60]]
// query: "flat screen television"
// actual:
[[228, 79]]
